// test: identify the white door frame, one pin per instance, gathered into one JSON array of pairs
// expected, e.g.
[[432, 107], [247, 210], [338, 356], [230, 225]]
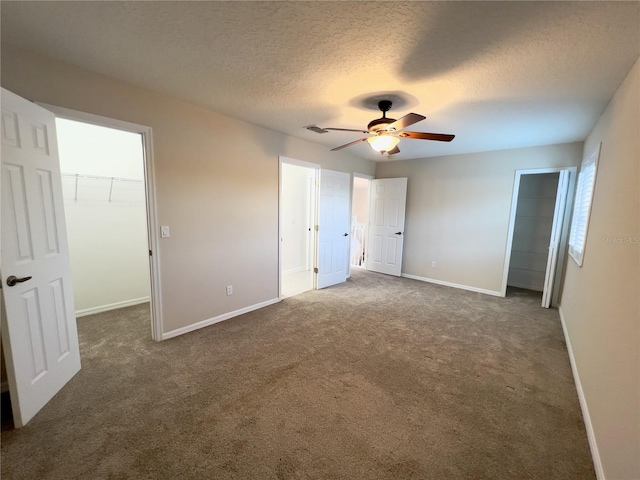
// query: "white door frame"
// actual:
[[150, 191], [366, 177], [316, 167], [564, 230]]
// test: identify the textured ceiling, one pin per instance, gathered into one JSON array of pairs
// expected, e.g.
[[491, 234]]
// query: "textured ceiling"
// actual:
[[497, 74]]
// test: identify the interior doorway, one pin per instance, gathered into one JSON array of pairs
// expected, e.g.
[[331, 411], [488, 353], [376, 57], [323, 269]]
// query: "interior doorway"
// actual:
[[142, 136], [298, 199], [103, 190], [40, 342], [538, 231], [359, 220]]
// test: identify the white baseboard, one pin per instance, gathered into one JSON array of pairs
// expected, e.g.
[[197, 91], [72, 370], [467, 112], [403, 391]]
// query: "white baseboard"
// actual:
[[454, 285], [593, 445], [219, 318], [111, 306]]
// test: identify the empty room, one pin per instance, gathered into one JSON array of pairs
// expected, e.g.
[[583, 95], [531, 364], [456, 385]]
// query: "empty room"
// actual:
[[381, 240]]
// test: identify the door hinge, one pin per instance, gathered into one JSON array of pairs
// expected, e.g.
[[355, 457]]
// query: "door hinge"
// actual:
[[317, 227], [150, 253], [315, 270]]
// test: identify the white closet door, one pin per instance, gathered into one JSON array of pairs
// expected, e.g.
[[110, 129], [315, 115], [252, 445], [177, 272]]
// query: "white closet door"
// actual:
[[387, 201], [333, 228], [39, 333]]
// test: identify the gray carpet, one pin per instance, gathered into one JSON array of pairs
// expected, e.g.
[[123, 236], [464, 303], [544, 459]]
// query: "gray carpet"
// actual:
[[378, 378]]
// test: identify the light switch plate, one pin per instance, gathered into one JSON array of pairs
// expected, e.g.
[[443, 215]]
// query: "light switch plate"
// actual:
[[164, 231]]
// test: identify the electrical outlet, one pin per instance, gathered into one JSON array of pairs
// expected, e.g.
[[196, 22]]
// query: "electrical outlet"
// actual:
[[433, 264], [229, 289]]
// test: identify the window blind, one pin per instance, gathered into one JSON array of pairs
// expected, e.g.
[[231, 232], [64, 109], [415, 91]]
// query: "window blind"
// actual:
[[582, 206]]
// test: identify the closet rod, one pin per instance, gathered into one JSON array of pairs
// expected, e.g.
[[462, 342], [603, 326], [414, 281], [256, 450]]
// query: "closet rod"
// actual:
[[76, 176], [98, 177]]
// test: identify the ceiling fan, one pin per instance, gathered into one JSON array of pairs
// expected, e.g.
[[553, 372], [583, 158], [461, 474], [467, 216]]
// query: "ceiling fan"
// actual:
[[385, 133]]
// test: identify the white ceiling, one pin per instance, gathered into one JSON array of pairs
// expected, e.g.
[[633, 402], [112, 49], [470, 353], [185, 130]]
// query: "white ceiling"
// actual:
[[497, 74]]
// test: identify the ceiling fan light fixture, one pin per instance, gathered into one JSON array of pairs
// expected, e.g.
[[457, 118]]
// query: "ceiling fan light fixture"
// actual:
[[383, 143], [385, 133]]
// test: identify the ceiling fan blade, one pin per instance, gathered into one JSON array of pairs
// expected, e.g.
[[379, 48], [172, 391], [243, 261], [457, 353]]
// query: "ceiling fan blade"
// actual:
[[393, 151], [440, 137], [348, 144], [346, 130], [408, 119]]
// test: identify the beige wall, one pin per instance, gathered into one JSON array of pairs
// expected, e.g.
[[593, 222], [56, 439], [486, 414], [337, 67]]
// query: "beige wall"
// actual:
[[601, 300], [458, 210], [216, 179]]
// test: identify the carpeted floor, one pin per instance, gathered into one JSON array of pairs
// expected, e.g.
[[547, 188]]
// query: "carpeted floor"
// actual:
[[378, 378]]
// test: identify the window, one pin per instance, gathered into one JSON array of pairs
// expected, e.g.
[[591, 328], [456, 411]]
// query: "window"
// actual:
[[582, 206]]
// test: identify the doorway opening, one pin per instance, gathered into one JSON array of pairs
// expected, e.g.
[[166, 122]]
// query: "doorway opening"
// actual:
[[40, 342], [538, 233], [359, 220], [103, 190], [107, 170], [298, 199]]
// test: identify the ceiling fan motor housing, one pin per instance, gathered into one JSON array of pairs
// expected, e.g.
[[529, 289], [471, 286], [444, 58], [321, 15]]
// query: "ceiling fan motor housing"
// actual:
[[381, 123]]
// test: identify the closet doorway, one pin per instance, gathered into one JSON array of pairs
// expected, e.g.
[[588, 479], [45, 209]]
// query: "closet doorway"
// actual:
[[538, 231], [298, 200], [109, 201], [106, 217]]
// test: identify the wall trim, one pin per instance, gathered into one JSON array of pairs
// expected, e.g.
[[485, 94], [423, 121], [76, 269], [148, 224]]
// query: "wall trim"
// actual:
[[454, 285], [593, 444], [294, 270], [111, 306], [219, 318]]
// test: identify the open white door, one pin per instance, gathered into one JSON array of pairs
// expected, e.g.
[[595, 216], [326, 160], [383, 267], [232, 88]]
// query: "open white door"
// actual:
[[388, 198], [333, 228], [554, 241], [39, 333]]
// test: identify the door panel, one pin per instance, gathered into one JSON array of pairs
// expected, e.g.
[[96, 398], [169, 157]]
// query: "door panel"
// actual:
[[39, 328], [392, 249], [333, 224], [386, 225]]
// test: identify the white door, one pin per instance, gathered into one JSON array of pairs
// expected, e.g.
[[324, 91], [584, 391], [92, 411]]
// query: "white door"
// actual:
[[39, 333], [388, 197], [333, 228], [554, 241]]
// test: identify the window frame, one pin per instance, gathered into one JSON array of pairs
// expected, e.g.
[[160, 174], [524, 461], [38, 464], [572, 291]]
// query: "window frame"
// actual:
[[582, 204]]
